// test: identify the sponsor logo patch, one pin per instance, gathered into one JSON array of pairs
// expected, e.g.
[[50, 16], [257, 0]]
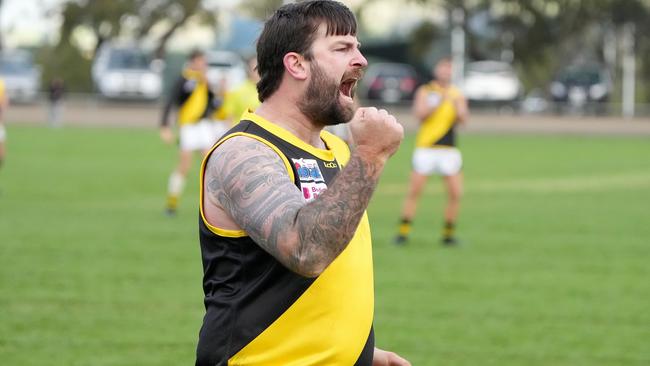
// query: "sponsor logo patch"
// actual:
[[312, 183]]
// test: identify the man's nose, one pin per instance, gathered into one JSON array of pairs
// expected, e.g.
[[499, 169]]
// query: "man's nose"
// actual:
[[359, 60]]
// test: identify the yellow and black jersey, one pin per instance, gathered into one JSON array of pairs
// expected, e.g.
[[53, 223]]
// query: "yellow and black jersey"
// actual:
[[258, 312], [238, 101], [193, 98], [439, 128]]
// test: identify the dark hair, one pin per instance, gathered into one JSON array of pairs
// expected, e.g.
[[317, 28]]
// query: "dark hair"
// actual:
[[196, 53], [292, 28], [445, 58]]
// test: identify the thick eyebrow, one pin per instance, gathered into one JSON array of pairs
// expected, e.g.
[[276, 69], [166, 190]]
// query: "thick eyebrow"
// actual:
[[347, 44]]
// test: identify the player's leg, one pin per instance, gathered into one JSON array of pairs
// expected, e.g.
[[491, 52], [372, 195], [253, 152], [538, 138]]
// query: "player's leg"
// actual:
[[423, 165], [454, 185], [188, 136], [177, 179], [417, 183], [453, 178]]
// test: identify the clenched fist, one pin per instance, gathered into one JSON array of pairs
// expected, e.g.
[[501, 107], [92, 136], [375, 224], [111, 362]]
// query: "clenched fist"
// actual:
[[376, 132]]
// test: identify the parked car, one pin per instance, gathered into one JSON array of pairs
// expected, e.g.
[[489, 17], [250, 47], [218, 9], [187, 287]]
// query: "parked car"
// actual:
[[389, 82], [125, 73], [493, 82], [535, 102], [225, 67], [580, 85], [21, 77]]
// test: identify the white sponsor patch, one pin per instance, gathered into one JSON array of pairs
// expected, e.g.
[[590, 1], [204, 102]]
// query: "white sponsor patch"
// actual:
[[312, 183]]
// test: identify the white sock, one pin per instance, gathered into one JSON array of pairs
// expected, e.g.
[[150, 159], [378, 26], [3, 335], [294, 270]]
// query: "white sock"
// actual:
[[176, 184]]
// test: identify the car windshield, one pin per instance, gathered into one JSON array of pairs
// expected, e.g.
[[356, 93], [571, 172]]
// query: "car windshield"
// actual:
[[128, 59], [15, 64], [220, 64], [395, 71], [581, 77]]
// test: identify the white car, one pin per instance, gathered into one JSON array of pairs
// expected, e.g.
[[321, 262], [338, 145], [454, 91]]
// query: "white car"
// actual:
[[491, 82], [125, 73], [225, 67], [21, 77]]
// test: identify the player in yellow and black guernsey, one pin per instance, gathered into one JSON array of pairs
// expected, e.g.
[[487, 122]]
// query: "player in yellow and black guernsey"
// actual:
[[285, 238], [195, 102], [440, 106]]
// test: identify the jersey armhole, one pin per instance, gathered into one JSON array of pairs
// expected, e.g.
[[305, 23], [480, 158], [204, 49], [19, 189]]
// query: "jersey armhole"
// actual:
[[226, 232]]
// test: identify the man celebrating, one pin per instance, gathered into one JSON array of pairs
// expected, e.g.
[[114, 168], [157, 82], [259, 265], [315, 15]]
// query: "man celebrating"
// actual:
[[285, 239]]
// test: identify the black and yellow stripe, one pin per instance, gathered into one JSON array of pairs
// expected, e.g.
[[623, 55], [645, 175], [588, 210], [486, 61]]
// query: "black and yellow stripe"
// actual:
[[438, 129], [193, 98], [260, 313]]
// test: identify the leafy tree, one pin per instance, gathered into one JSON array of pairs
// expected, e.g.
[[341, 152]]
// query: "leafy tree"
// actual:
[[134, 18], [108, 19], [549, 34], [260, 9]]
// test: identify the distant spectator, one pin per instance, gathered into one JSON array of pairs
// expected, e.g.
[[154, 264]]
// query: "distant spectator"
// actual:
[[55, 96]]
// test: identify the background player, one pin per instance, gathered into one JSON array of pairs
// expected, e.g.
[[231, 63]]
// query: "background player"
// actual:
[[195, 101], [440, 106], [242, 97]]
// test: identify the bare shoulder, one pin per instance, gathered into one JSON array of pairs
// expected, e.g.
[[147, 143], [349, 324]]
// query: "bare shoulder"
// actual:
[[250, 182], [241, 164], [422, 89]]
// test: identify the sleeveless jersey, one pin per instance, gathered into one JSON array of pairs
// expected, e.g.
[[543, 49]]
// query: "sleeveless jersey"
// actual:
[[258, 312], [193, 97], [438, 129], [238, 101]]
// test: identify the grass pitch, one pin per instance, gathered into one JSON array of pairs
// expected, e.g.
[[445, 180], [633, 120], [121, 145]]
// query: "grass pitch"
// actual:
[[553, 269]]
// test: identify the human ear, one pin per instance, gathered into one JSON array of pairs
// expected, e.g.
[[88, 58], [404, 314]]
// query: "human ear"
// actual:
[[296, 65]]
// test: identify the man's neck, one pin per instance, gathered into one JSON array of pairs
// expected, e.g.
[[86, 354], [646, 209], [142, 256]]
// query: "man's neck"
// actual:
[[285, 113]]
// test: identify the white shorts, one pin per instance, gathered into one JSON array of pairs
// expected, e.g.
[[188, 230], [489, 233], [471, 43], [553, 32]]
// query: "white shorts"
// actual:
[[3, 133], [441, 161], [201, 135]]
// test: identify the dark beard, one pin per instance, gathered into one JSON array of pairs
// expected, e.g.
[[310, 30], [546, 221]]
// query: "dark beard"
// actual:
[[321, 100]]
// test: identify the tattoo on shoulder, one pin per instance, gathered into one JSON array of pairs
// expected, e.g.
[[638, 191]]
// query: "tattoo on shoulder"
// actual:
[[250, 182]]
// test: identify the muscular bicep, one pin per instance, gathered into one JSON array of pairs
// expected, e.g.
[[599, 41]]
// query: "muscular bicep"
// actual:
[[251, 184]]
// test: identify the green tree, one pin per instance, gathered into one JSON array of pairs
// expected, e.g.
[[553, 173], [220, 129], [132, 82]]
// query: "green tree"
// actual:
[[108, 19], [260, 9], [132, 18], [548, 33]]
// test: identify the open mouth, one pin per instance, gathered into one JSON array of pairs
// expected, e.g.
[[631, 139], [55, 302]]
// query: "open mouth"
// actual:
[[348, 87]]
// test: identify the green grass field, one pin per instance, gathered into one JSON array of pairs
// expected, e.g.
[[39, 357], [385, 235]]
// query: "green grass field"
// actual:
[[553, 271]]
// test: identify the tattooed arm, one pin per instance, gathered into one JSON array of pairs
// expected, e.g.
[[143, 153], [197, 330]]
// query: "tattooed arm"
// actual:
[[250, 183]]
